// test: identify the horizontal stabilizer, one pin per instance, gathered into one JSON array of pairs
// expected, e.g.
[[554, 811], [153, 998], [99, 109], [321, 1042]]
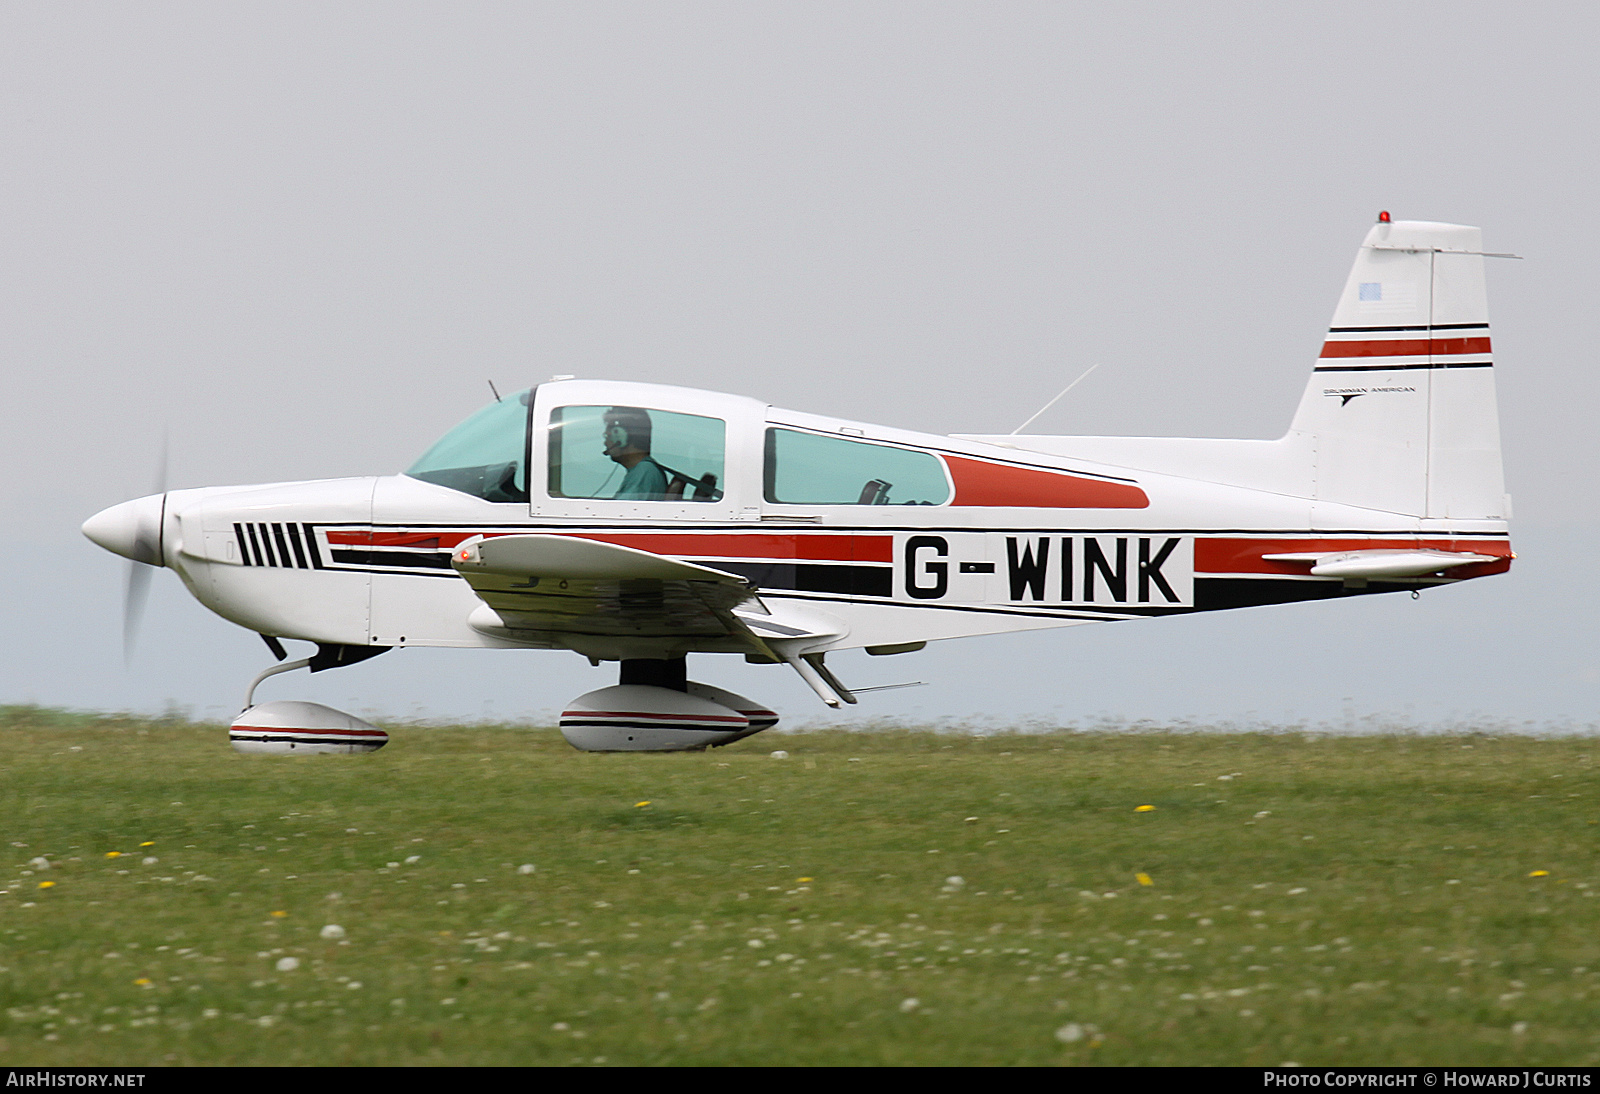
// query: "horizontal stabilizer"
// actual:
[[1379, 564]]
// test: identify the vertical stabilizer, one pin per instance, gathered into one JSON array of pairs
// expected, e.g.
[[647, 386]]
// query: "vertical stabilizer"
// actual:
[[1400, 411]]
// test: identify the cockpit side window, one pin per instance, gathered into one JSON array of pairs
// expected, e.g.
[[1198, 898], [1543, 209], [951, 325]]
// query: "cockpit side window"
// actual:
[[816, 469], [484, 456], [631, 453]]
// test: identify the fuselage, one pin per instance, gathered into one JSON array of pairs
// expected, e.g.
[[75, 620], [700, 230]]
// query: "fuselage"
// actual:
[[895, 537]]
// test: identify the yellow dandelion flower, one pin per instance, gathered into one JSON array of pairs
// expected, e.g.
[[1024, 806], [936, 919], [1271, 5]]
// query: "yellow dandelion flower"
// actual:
[[1144, 809], [804, 879], [47, 885], [1538, 873], [279, 915], [113, 854], [143, 982], [640, 805], [148, 843], [1144, 879]]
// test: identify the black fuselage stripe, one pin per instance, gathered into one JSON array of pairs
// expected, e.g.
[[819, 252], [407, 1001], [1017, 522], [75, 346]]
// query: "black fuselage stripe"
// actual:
[[311, 546], [293, 532], [1434, 326], [836, 577], [818, 576], [439, 560], [255, 545], [1210, 594], [1403, 368], [283, 548]]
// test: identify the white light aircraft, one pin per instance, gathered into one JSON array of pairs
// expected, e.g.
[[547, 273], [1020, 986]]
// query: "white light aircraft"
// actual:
[[640, 524]]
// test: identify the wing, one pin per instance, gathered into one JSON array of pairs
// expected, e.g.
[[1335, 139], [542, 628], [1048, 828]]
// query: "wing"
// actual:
[[563, 585]]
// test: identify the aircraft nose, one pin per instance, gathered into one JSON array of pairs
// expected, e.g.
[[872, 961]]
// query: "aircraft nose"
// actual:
[[132, 529]]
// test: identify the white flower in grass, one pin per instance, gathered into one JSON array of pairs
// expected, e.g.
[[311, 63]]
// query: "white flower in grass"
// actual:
[[287, 964], [332, 932], [1073, 1032]]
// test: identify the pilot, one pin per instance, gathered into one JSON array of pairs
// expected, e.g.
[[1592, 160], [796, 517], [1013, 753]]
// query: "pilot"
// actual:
[[627, 439]]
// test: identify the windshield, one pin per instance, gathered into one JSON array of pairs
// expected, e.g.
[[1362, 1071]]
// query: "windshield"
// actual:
[[484, 456]]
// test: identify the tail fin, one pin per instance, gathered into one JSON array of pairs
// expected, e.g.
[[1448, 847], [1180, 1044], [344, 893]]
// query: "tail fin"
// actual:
[[1400, 409]]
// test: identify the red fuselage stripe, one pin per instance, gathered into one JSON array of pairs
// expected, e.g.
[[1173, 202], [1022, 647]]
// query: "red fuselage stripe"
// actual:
[[805, 548], [1406, 347], [980, 483], [802, 548]]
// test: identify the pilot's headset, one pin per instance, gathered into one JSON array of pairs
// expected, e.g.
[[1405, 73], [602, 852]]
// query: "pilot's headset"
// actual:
[[619, 435]]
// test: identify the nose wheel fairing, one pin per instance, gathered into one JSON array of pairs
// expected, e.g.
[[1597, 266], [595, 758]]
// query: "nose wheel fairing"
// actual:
[[289, 727]]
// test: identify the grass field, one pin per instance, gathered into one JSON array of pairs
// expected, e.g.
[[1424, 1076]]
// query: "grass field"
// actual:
[[873, 898]]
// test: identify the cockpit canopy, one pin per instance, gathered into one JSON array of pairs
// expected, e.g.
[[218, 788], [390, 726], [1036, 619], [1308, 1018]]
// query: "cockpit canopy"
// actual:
[[639, 452]]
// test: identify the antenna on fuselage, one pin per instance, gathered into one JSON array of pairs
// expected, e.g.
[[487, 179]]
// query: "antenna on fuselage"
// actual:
[[1054, 401], [495, 390]]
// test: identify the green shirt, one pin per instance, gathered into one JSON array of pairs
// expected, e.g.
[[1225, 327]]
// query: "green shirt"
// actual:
[[645, 481]]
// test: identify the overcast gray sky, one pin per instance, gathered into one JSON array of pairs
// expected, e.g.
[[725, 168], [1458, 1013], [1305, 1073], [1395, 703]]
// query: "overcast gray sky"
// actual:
[[300, 237]]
